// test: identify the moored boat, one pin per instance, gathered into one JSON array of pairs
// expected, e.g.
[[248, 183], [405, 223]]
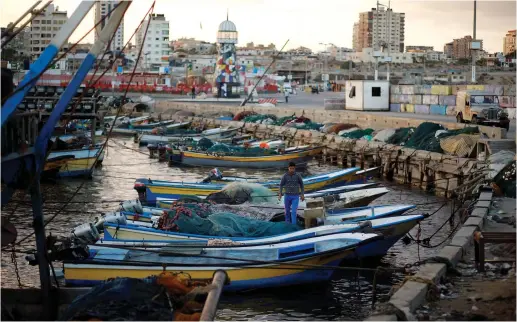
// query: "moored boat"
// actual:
[[213, 134], [82, 163], [267, 266]]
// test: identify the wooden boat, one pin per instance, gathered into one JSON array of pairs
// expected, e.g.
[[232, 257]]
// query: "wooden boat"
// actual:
[[278, 161], [272, 265], [393, 228], [150, 126], [212, 134], [81, 164], [153, 189]]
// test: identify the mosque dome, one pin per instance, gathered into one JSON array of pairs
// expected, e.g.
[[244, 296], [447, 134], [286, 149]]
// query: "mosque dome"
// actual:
[[227, 25]]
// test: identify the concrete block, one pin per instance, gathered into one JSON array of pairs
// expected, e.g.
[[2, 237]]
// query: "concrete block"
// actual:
[[474, 221], [457, 88], [421, 109], [511, 113], [411, 295], [483, 204], [463, 238], [407, 89], [447, 99], [495, 89], [429, 99], [432, 271], [479, 212], [486, 196], [508, 90], [415, 99], [407, 108], [395, 89], [438, 109], [394, 107], [452, 253], [451, 110], [476, 87], [425, 89], [441, 90]]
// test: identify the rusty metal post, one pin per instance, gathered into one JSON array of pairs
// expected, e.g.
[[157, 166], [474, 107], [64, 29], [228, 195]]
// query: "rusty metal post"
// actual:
[[219, 280]]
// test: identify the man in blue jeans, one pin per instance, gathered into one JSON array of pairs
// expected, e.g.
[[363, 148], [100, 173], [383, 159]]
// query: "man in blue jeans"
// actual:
[[292, 182]]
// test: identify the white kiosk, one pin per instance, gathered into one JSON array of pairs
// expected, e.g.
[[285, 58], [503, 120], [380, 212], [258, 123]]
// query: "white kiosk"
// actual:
[[367, 95]]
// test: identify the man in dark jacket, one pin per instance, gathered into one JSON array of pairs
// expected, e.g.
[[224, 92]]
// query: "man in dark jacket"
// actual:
[[292, 182]]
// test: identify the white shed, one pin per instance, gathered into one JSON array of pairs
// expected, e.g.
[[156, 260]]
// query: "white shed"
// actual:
[[367, 95]]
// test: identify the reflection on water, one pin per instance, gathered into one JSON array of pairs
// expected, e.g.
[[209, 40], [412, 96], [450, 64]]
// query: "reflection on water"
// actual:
[[347, 297]]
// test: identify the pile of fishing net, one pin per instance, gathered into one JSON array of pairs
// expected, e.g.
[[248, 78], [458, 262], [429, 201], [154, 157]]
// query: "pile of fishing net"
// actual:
[[427, 136], [203, 219], [226, 149], [358, 134], [237, 193], [261, 118], [204, 144], [333, 128], [401, 136], [502, 165], [240, 116], [384, 135], [165, 297]]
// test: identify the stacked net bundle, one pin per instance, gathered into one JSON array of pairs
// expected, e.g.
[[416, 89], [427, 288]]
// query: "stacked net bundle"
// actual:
[[204, 144], [146, 299], [357, 134], [261, 118], [237, 193], [240, 116], [401, 136], [201, 219], [424, 137]]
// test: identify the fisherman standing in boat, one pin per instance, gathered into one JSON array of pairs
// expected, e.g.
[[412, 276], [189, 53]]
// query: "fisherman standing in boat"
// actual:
[[292, 182]]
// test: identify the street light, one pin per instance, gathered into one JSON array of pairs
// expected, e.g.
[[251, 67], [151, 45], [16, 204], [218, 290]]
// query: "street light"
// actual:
[[325, 68]]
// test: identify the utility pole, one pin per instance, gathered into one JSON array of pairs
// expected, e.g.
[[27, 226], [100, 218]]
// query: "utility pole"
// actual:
[[306, 67], [472, 51]]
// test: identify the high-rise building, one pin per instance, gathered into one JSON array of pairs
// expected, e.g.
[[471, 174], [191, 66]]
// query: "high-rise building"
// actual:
[[20, 43], [448, 49], [156, 49], [383, 28], [103, 8], [509, 42], [44, 28], [461, 47]]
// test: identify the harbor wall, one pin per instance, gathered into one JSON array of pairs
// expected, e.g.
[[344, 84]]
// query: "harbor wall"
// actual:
[[429, 171], [361, 119], [413, 292]]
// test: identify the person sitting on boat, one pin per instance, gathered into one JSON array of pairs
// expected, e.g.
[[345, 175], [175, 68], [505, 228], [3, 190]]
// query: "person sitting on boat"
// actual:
[[292, 182]]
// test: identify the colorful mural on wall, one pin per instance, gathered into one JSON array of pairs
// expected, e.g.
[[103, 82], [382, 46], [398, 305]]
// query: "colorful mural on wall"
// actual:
[[227, 64]]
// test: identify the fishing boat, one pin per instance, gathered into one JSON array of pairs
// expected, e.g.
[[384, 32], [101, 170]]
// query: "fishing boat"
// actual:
[[79, 162], [277, 161], [348, 196], [153, 189], [213, 134], [150, 126], [392, 228], [171, 128], [272, 265]]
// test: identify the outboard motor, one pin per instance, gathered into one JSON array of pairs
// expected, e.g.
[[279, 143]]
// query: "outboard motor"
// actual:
[[153, 148], [85, 234], [110, 217], [214, 174], [162, 149], [132, 205]]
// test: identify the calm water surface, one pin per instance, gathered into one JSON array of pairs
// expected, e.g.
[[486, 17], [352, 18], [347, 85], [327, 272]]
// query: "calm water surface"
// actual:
[[347, 297]]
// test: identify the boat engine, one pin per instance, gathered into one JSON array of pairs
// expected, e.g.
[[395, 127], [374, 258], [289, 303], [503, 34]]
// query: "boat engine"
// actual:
[[214, 174], [110, 217], [85, 234], [162, 149], [132, 205], [141, 188]]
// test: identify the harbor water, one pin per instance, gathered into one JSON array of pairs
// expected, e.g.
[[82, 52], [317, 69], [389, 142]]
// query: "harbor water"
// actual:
[[347, 296]]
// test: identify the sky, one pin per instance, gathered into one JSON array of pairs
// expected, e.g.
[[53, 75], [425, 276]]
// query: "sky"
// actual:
[[303, 22]]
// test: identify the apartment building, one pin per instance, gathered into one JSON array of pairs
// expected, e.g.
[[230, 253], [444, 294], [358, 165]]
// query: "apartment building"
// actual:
[[419, 49], [461, 47], [102, 9], [509, 42], [448, 49], [156, 47], [44, 27], [380, 28], [21, 43], [191, 45]]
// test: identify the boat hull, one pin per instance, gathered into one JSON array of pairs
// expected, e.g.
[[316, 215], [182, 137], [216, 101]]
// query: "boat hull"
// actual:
[[301, 158], [155, 139], [241, 278]]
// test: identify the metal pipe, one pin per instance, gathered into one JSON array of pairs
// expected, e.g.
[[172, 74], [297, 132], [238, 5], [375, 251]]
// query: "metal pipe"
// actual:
[[11, 27], [209, 309]]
